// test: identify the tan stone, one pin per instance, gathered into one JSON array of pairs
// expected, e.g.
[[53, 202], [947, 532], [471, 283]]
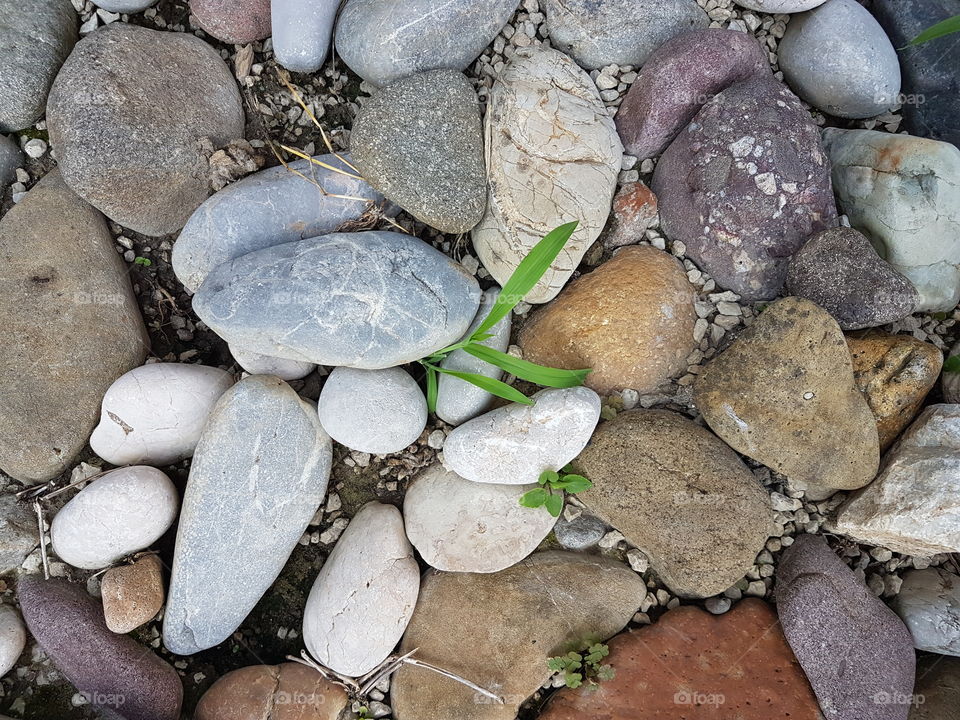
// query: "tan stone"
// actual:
[[631, 320], [895, 373], [132, 594], [783, 394]]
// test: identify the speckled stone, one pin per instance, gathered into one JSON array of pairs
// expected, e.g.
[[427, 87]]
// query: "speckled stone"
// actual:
[[10, 159], [581, 533], [18, 533], [237, 22], [132, 594]]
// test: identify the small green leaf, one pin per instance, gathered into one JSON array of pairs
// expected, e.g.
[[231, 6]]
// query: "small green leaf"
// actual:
[[146, 262], [554, 504], [947, 27], [548, 476], [574, 680], [606, 672], [534, 498], [539, 374], [599, 648], [575, 483], [495, 387], [556, 664], [431, 389], [952, 364]]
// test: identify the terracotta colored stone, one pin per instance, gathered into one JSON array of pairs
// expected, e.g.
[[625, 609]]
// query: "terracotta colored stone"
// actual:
[[280, 692], [634, 211], [132, 594], [233, 21], [895, 373], [631, 320], [691, 665]]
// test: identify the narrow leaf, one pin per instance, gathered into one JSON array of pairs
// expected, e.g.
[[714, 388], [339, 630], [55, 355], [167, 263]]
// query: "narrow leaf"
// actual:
[[947, 27], [554, 504], [575, 483], [495, 387], [534, 498], [431, 389], [539, 374]]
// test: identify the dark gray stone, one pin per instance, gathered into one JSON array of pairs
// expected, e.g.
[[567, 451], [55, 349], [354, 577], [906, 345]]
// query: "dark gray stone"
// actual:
[[840, 271], [419, 141], [10, 159], [18, 533], [581, 533], [745, 185], [855, 651]]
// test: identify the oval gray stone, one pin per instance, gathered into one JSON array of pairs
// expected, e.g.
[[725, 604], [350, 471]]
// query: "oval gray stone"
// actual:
[[581, 533], [929, 604], [259, 474], [271, 207], [257, 364], [368, 300], [13, 638], [301, 32]]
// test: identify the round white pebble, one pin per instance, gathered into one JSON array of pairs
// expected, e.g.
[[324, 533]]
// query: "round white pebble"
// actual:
[[35, 148], [13, 638]]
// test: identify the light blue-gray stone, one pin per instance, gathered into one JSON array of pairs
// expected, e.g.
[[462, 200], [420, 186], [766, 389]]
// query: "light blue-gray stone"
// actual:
[[385, 40], [368, 300], [929, 605], [268, 208], [10, 159], [301, 32], [259, 474]]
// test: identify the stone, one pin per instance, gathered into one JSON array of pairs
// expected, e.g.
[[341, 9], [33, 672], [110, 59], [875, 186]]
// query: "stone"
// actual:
[[553, 156], [271, 207], [634, 212], [514, 444], [240, 22], [913, 506], [690, 664], [252, 492], [18, 533], [301, 32], [153, 414], [680, 495], [419, 142], [65, 296], [581, 533], [124, 6], [13, 638], [10, 159], [903, 193], [745, 185], [776, 7], [840, 271], [372, 411], [839, 59], [894, 373], [462, 526], [132, 594], [630, 321], [106, 668], [856, 653], [124, 84], [119, 513], [36, 36], [618, 32], [929, 605], [367, 299], [547, 605], [936, 695], [363, 598], [931, 89], [783, 393], [385, 40], [950, 382], [459, 400], [266, 691], [682, 75], [257, 364]]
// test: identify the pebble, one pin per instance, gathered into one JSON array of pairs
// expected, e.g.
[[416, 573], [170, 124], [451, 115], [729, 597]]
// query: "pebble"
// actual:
[[125, 6], [514, 444], [242, 21], [718, 605], [634, 212], [775, 7], [374, 411], [132, 594], [257, 364], [154, 414], [581, 533], [18, 533], [35, 148], [119, 513], [302, 30], [362, 600], [929, 605], [11, 159], [13, 638]]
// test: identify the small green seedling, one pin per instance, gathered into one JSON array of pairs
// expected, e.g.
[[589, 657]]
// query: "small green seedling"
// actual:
[[585, 666], [553, 484], [146, 262], [952, 364]]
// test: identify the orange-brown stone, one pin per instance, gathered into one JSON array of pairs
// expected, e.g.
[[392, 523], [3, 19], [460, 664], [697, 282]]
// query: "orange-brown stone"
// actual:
[[132, 594], [634, 211]]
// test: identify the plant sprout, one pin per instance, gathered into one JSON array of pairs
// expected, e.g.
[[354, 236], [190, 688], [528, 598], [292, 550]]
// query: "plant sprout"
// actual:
[[552, 487]]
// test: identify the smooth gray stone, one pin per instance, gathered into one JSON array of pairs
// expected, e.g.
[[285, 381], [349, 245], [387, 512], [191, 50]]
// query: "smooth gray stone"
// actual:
[[259, 474], [36, 36], [929, 605], [301, 32], [368, 300], [10, 159], [18, 533], [271, 207], [384, 40], [581, 533]]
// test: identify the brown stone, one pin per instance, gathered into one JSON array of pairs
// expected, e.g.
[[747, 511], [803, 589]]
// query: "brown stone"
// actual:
[[634, 211], [895, 373], [280, 692], [631, 320], [937, 692], [691, 665], [132, 594]]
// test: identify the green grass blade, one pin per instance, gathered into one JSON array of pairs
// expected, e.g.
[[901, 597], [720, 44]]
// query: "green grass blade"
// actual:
[[528, 272], [495, 387], [540, 374], [947, 27], [431, 390]]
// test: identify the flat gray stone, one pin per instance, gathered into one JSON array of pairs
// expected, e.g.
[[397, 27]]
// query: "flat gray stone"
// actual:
[[259, 474], [301, 32], [18, 533], [384, 40], [124, 6], [581, 533], [929, 604], [779, 6], [10, 159], [271, 207], [369, 300]]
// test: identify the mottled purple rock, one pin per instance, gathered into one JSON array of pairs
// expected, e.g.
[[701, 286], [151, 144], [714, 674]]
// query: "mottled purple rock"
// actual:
[[745, 185], [682, 75], [840, 271], [233, 21], [114, 672], [856, 652]]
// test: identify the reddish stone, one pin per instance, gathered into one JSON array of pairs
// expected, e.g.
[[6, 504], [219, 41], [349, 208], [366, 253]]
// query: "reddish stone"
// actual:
[[233, 21], [634, 210], [691, 665]]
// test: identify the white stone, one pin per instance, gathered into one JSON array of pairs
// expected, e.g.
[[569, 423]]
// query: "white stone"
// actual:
[[775, 7], [913, 506], [363, 598], [373, 411], [119, 513], [929, 605], [553, 156], [462, 526], [514, 444], [153, 415], [257, 364], [459, 400], [13, 638]]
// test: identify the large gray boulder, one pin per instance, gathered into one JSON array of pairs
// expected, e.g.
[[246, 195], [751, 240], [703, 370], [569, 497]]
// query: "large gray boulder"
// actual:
[[367, 300], [133, 117], [259, 474], [929, 604]]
